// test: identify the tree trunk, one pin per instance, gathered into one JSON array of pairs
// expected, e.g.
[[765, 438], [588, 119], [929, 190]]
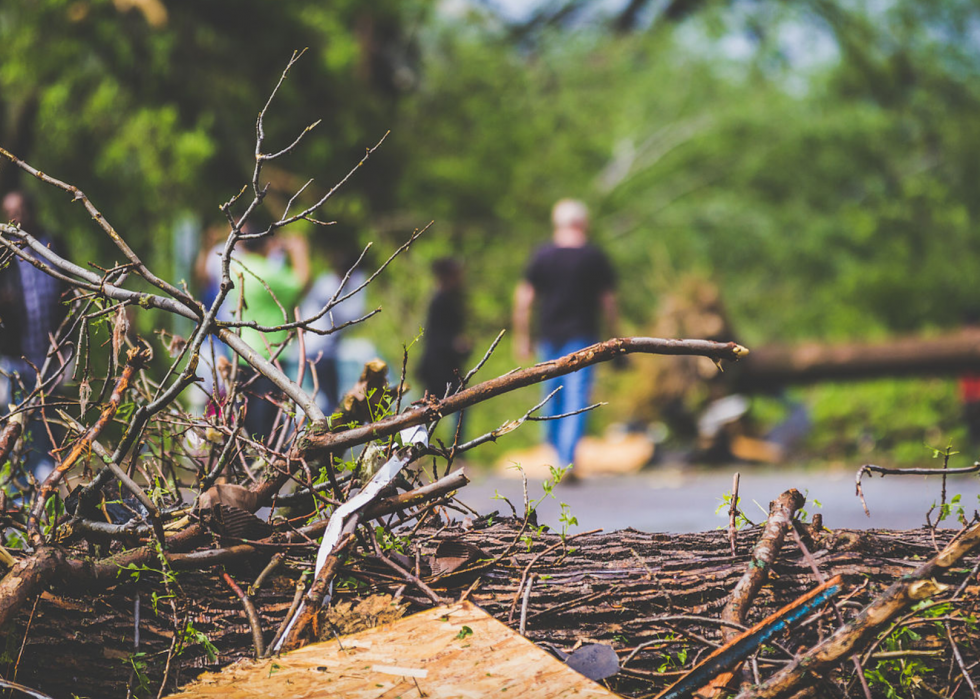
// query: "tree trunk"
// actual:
[[625, 589], [774, 366]]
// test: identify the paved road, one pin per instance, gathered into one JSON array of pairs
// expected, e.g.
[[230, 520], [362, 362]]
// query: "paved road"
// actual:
[[684, 499]]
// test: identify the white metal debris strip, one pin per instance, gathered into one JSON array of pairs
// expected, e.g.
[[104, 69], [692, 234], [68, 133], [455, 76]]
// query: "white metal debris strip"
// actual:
[[411, 436]]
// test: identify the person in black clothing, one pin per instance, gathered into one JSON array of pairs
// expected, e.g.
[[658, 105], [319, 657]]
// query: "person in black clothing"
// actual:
[[446, 347], [571, 283]]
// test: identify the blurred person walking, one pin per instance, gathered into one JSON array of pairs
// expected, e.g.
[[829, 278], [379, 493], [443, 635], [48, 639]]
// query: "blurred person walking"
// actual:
[[323, 350], [570, 283], [274, 274], [446, 346], [30, 313]]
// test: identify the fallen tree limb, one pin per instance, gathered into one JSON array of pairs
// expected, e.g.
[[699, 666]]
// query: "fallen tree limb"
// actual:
[[32, 574], [106, 570], [318, 439], [27, 578], [646, 589], [781, 512], [871, 468], [861, 629], [775, 366], [652, 596], [319, 442], [747, 642]]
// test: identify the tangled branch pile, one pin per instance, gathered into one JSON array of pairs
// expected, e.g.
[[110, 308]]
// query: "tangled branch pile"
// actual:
[[145, 541], [141, 484]]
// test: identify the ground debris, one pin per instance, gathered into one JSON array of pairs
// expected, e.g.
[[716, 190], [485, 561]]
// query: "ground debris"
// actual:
[[358, 615]]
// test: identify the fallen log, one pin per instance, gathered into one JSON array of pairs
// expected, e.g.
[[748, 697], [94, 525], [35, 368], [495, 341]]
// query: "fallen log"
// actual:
[[655, 598], [774, 366]]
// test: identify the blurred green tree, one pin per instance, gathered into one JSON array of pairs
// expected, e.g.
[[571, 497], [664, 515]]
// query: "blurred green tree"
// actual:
[[817, 160], [150, 106]]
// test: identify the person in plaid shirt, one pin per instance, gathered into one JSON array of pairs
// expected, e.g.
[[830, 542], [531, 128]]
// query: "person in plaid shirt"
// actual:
[[30, 313]]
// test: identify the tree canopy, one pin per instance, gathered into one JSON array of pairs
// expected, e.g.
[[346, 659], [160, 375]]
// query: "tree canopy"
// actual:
[[816, 160]]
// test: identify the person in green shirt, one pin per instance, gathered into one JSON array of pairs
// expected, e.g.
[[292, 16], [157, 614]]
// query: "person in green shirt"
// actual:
[[275, 272]]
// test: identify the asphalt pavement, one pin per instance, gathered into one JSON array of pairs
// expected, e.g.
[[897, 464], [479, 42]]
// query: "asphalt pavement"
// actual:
[[678, 498]]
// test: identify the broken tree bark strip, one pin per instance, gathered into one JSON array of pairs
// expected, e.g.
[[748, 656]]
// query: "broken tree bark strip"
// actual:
[[318, 440], [856, 633], [9, 435], [135, 361], [781, 512], [748, 641], [773, 366], [296, 630]]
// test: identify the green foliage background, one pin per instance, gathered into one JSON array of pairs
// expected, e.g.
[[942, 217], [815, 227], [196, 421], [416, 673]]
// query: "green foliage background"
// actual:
[[818, 160]]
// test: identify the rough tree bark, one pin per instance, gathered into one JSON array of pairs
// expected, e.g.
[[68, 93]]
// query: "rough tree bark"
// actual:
[[647, 595]]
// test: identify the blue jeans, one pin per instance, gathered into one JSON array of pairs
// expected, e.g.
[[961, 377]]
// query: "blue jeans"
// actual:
[[565, 433]]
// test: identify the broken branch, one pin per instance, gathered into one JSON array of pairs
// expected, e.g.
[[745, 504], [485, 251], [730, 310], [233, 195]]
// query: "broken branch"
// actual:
[[858, 631], [135, 361], [871, 468], [764, 554], [318, 439]]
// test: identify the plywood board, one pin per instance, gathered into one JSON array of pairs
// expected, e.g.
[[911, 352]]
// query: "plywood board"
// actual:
[[453, 651]]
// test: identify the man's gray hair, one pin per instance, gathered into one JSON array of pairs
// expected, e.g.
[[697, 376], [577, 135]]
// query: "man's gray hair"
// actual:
[[570, 212]]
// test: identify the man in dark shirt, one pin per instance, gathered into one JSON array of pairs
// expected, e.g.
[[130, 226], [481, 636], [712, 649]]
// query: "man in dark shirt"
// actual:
[[571, 283]]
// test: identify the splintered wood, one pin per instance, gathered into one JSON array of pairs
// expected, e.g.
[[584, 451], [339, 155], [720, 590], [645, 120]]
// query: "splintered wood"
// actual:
[[451, 651]]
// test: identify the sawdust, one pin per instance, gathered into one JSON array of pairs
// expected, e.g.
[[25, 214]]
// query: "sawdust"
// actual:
[[350, 617]]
